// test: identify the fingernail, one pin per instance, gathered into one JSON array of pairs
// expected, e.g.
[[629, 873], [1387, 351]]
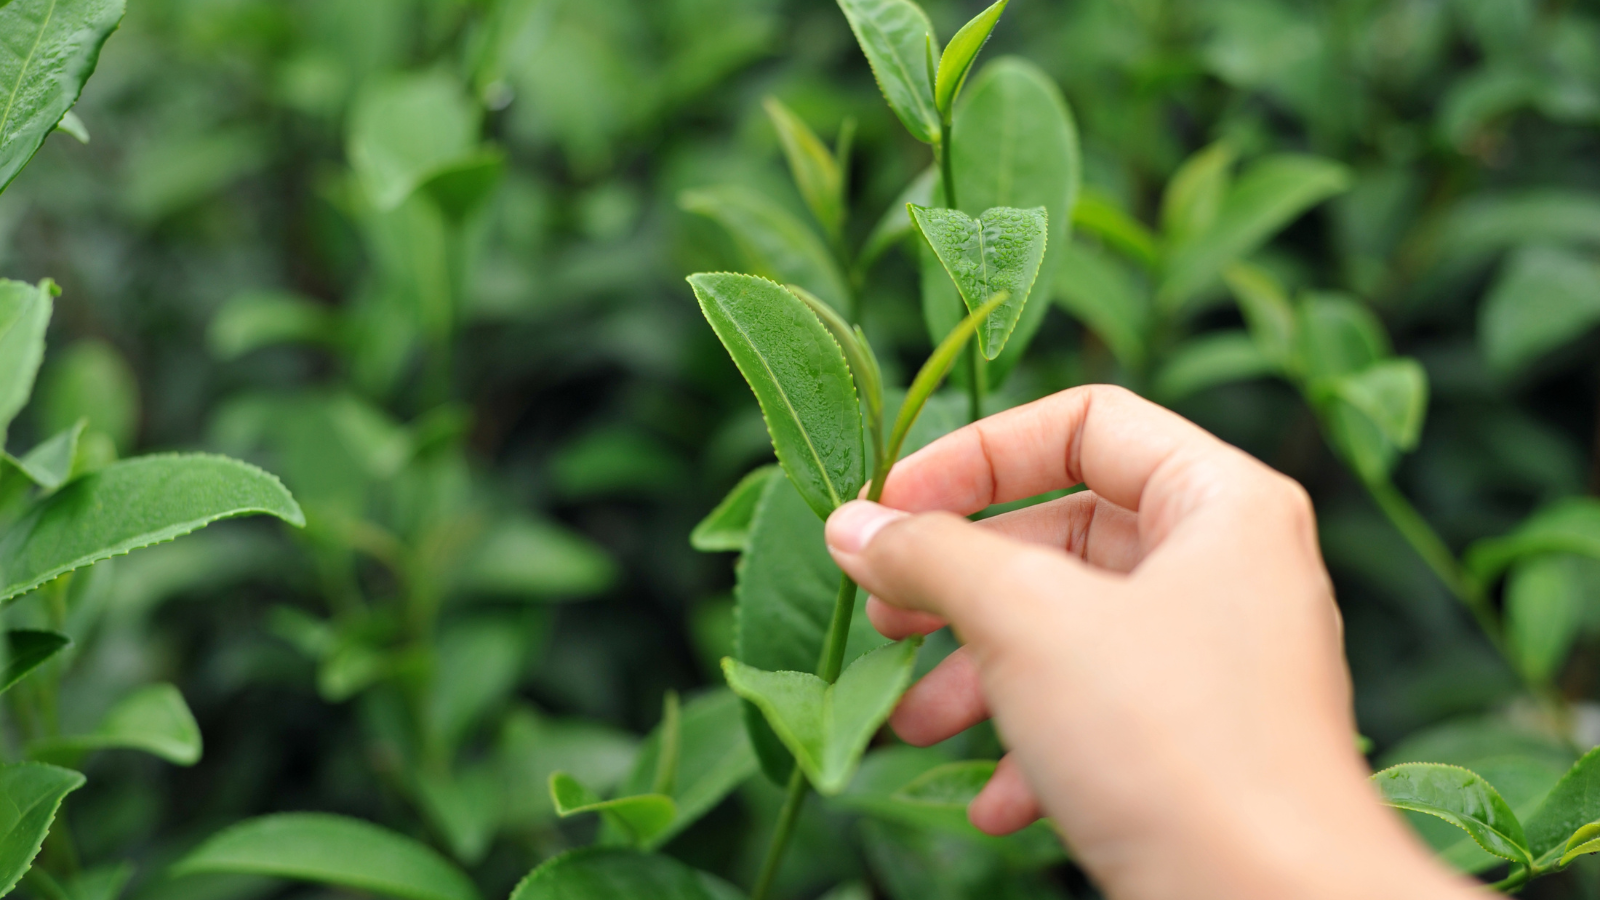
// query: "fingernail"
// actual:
[[853, 525]]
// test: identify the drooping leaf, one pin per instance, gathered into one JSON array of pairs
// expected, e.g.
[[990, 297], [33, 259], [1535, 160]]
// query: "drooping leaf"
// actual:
[[407, 129], [778, 245], [27, 650], [129, 505], [1566, 526], [49, 464], [256, 319], [1584, 841], [1266, 310], [1544, 611], [727, 527], [825, 726], [608, 873], [1194, 196], [1571, 804], [641, 817], [898, 40], [999, 252], [714, 758], [1461, 798], [1544, 298], [527, 558], [959, 55], [48, 49], [24, 316], [816, 173], [1210, 360], [153, 718], [32, 793], [801, 379], [1104, 296], [334, 850]]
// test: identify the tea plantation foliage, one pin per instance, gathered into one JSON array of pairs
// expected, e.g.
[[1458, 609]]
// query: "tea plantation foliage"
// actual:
[[424, 261]]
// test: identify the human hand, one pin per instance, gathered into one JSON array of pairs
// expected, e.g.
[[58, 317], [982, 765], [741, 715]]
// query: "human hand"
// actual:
[[1161, 652]]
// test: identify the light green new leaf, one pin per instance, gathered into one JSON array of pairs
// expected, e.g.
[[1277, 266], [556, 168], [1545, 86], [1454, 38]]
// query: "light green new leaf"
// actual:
[[1102, 294], [778, 245], [641, 816], [816, 173], [48, 49], [335, 850], [24, 316], [727, 527], [827, 726], [1571, 804], [959, 55], [1584, 841], [1194, 196], [1392, 394], [49, 465], [27, 650], [799, 376], [153, 718], [1266, 310], [526, 558], [1544, 299], [1210, 360], [1268, 196], [1544, 612], [1565, 526], [898, 40], [408, 128], [608, 873], [999, 252], [133, 504], [256, 319], [714, 758], [1461, 798], [30, 794]]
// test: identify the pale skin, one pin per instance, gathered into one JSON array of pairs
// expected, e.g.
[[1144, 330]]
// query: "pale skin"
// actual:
[[1161, 653]]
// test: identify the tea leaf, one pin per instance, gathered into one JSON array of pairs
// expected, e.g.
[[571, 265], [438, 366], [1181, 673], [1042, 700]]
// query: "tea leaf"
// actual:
[[71, 124], [779, 246], [1266, 310], [50, 49], [1336, 335], [816, 172], [1584, 841], [1000, 252], [1461, 798], [959, 55], [129, 505], [1566, 526], [1194, 195], [1393, 394], [641, 817], [896, 221], [49, 465], [727, 527], [608, 873], [407, 129], [1210, 360], [153, 718], [714, 758], [90, 380], [27, 650], [1123, 232], [32, 793], [477, 660], [827, 726], [951, 786], [464, 807], [898, 40], [1102, 294], [256, 319], [526, 558], [531, 747], [24, 316], [800, 377], [863, 362], [1544, 610], [329, 849], [1571, 804], [1544, 298]]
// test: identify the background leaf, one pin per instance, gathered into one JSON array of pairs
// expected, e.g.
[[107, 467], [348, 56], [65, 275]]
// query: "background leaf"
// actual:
[[408, 129], [1545, 298], [26, 650], [816, 173], [640, 816], [714, 758], [609, 874], [153, 718], [777, 245], [34, 792], [1572, 803]]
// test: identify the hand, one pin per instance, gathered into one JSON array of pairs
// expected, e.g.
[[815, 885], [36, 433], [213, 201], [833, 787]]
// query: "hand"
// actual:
[[1161, 652]]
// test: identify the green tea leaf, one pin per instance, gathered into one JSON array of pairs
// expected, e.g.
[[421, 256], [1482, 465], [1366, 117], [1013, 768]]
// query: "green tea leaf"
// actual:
[[1336, 335], [90, 380], [816, 173], [49, 465], [153, 718], [477, 661], [959, 55], [933, 371], [863, 362], [641, 817], [1103, 295], [24, 316], [32, 792], [1584, 841], [1269, 195], [129, 505], [27, 650], [1266, 310], [1194, 196], [607, 873], [714, 758], [778, 245], [727, 527], [256, 319], [531, 747], [827, 726], [949, 786], [1571, 804], [334, 850], [1127, 235], [1461, 798], [1392, 394], [1544, 611], [525, 558], [800, 378], [71, 124], [48, 49], [899, 43], [896, 221], [406, 129], [999, 252], [1566, 526], [1210, 360], [1544, 299], [464, 807]]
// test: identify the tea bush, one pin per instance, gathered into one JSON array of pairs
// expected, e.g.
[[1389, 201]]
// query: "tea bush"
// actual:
[[555, 625]]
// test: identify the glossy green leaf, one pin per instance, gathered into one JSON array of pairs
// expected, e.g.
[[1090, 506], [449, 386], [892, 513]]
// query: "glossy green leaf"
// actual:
[[1269, 195], [999, 252], [1099, 216], [48, 49], [154, 719], [605, 873], [333, 850], [129, 505], [778, 246], [27, 650], [1210, 360], [526, 558], [1459, 797], [1266, 310], [800, 378], [406, 129], [816, 173], [898, 40], [1584, 841], [960, 54], [1392, 394], [827, 726], [1544, 299], [1194, 196], [49, 464], [256, 319], [727, 527], [641, 816], [1566, 526], [1572, 803], [1544, 608], [1102, 294], [24, 316], [32, 792], [714, 758]]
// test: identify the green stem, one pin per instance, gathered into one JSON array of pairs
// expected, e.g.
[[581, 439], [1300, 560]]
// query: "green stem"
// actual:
[[947, 169], [844, 607], [1433, 550], [1513, 881], [798, 788], [974, 383]]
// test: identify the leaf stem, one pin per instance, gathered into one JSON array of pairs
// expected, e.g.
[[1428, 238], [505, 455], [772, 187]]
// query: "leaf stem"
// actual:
[[947, 169], [1513, 881], [844, 607], [974, 384], [796, 797]]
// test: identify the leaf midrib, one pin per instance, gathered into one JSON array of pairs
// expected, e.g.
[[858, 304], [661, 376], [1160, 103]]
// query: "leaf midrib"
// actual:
[[11, 102]]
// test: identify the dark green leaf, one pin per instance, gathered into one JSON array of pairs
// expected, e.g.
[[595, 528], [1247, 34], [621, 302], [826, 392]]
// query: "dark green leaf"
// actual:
[[333, 850], [1566, 526], [800, 377], [48, 49], [32, 792], [816, 173], [999, 252], [1194, 196], [153, 718], [714, 757], [1544, 611], [778, 245], [1212, 359], [641, 817], [1102, 294], [49, 464], [1459, 797], [898, 39], [1544, 299], [727, 527], [258, 319], [24, 316], [959, 55], [406, 129], [604, 873], [129, 505], [1572, 803], [27, 650], [827, 726]]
